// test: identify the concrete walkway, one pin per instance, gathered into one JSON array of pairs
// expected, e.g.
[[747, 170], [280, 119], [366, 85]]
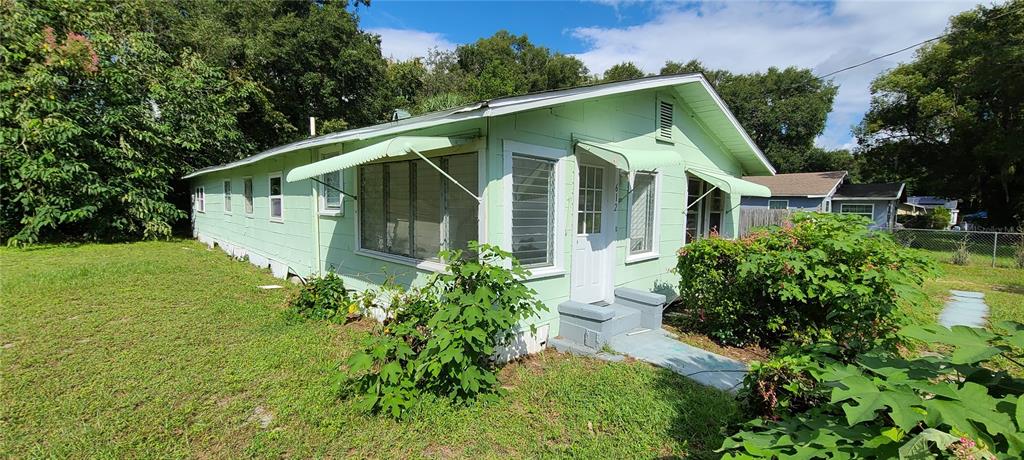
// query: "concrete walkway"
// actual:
[[658, 348], [964, 308]]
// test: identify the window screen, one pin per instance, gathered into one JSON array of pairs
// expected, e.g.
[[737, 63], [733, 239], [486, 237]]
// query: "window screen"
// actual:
[[407, 208], [533, 210], [247, 194], [641, 214]]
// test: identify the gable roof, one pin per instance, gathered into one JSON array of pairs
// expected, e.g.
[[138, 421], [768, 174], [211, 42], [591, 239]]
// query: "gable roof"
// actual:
[[810, 184], [693, 88], [890, 191]]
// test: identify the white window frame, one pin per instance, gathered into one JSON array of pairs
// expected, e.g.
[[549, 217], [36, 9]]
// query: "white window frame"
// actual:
[[227, 189], [510, 148], [842, 210], [200, 203], [249, 200], [322, 198], [270, 198], [655, 251], [428, 265], [784, 202]]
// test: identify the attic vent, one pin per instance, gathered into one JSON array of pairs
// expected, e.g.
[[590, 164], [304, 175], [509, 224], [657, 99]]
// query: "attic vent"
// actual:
[[664, 131]]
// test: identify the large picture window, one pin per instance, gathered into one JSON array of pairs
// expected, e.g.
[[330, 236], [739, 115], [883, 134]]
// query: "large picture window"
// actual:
[[641, 214], [406, 208], [533, 210]]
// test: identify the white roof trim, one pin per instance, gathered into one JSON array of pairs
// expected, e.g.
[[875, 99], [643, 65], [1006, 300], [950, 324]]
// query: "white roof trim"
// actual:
[[491, 108]]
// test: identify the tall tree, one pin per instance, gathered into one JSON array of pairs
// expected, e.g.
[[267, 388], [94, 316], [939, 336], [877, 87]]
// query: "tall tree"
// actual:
[[622, 71], [782, 110], [506, 64], [96, 121], [951, 122], [307, 58]]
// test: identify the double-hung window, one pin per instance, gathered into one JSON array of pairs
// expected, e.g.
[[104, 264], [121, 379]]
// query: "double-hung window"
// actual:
[[200, 199], [331, 185], [642, 214], [866, 210], [227, 195], [247, 194], [407, 209], [533, 210], [276, 198]]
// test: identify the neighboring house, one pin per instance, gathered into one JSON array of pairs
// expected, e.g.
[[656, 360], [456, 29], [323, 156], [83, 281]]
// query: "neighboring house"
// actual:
[[593, 189], [829, 191], [916, 205]]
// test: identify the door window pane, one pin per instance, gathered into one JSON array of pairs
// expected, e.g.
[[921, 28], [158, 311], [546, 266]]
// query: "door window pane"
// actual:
[[591, 181]]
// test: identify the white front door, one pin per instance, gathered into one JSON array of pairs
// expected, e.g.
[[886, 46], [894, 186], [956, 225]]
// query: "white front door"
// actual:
[[591, 271]]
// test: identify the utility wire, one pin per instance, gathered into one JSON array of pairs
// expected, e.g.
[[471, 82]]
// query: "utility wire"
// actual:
[[915, 45]]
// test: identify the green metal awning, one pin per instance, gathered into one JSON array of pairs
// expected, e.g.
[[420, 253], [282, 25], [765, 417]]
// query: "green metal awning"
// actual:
[[729, 184], [394, 147], [630, 159]]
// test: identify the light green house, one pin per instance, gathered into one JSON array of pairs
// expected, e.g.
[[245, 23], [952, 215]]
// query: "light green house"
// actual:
[[594, 189]]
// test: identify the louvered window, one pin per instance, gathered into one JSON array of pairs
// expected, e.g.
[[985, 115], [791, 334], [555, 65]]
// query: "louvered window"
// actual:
[[533, 210], [664, 131]]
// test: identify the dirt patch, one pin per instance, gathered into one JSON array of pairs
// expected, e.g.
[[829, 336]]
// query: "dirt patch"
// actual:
[[261, 416]]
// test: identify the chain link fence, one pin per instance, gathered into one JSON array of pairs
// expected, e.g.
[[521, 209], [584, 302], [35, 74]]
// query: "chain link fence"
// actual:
[[996, 249]]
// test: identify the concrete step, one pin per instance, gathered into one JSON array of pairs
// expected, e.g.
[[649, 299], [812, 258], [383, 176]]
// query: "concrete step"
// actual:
[[626, 319]]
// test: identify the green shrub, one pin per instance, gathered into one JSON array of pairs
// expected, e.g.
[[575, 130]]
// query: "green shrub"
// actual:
[[883, 405], [443, 340], [1018, 252], [783, 385], [935, 218], [322, 298], [825, 276]]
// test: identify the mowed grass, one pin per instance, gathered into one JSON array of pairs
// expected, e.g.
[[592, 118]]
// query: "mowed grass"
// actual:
[[1003, 288], [167, 349]]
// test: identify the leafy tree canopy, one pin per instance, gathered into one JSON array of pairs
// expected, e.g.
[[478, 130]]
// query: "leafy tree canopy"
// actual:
[[951, 122], [622, 71], [782, 110]]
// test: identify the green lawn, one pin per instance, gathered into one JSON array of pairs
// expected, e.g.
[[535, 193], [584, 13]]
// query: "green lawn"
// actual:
[[166, 349], [1003, 289]]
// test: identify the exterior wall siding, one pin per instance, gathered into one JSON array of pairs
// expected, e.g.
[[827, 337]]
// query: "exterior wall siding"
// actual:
[[626, 119]]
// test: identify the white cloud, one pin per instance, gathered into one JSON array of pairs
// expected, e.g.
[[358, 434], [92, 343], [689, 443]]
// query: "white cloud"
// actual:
[[409, 43], [752, 36]]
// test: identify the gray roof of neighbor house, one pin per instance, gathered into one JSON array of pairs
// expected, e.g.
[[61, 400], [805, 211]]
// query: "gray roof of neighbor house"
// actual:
[[692, 87], [811, 184], [890, 191]]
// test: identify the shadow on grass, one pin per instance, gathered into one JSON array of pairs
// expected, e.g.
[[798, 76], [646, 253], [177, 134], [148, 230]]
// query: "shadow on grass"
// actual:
[[701, 414]]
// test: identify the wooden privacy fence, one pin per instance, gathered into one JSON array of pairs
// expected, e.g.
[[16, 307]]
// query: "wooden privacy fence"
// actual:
[[751, 218]]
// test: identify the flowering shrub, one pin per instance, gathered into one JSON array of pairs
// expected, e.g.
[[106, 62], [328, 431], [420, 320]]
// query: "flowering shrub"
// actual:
[[883, 405], [823, 276], [442, 340]]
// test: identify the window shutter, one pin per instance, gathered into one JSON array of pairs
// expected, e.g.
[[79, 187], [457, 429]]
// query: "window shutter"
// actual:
[[664, 131]]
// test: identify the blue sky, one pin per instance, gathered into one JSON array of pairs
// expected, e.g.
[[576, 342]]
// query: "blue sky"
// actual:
[[741, 36]]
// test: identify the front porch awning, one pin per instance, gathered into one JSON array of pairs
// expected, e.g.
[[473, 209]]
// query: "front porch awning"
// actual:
[[729, 184], [394, 147], [630, 159]]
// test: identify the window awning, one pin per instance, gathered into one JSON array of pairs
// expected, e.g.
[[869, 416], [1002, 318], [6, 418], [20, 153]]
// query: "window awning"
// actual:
[[394, 147], [629, 159], [729, 184]]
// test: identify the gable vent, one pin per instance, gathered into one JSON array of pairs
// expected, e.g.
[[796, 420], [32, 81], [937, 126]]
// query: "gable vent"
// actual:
[[664, 131]]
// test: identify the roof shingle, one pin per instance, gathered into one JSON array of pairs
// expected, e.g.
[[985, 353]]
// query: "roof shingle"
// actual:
[[800, 184]]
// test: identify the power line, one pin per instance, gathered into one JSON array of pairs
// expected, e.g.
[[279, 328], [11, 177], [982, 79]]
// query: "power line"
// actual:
[[915, 45]]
